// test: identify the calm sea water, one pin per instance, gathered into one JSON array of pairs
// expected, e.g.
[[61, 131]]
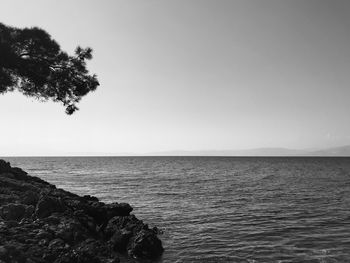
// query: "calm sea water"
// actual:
[[215, 209]]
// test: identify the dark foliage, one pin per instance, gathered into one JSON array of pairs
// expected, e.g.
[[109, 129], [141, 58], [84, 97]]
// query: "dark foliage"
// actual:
[[33, 63]]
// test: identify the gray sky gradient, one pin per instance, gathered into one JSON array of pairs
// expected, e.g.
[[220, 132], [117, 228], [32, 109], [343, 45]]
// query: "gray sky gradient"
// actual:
[[190, 75]]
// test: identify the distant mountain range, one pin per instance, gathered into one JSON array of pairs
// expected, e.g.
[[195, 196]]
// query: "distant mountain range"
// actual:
[[343, 151], [335, 151]]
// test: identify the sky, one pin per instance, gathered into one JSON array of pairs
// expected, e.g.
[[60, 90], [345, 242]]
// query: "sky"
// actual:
[[189, 75]]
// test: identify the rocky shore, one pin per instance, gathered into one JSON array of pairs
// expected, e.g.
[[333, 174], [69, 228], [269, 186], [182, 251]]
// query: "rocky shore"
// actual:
[[40, 223]]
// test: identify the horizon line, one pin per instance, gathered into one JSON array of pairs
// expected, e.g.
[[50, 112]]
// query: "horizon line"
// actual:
[[229, 156]]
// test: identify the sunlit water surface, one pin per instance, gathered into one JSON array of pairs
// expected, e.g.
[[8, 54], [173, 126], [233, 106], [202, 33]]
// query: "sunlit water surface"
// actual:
[[215, 209]]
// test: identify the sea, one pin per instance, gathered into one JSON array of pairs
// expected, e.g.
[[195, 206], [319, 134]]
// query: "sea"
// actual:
[[221, 209]]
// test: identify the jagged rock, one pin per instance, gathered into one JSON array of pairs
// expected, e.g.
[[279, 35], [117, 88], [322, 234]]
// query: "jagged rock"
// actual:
[[4, 166], [90, 198], [40, 223], [18, 171], [145, 244], [129, 233], [102, 212], [118, 209]]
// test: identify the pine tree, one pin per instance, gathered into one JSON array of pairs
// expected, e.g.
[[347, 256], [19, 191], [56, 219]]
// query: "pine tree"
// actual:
[[34, 64]]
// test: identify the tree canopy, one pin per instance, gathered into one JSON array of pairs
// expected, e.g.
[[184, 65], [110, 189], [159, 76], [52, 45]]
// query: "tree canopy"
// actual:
[[34, 64]]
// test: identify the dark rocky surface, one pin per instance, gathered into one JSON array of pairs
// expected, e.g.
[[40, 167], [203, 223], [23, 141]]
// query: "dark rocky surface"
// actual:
[[40, 223]]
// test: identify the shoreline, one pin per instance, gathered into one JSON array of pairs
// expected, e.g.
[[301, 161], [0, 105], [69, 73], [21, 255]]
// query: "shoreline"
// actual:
[[40, 223]]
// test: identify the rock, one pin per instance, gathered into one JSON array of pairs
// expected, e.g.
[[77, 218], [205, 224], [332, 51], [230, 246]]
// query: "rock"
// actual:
[[97, 211], [13, 211], [129, 233], [88, 251], [103, 212], [40, 223], [87, 221], [71, 231], [130, 223], [118, 209], [145, 244], [4, 166], [55, 249], [90, 198], [120, 239], [48, 205], [30, 198], [18, 171], [157, 231]]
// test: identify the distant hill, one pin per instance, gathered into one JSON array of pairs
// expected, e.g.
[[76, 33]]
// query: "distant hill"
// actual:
[[248, 152], [335, 151]]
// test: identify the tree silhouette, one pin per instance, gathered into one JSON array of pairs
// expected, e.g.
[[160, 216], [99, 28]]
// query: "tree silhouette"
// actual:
[[33, 63]]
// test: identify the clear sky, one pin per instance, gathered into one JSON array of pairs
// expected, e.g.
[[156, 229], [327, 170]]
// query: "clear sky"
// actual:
[[190, 75]]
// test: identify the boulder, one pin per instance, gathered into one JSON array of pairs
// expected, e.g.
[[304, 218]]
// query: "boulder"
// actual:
[[145, 244], [97, 211], [127, 233], [118, 209], [4, 166], [120, 239], [48, 205], [13, 211]]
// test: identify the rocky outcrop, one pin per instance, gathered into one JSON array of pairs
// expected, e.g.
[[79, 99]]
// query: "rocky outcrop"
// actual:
[[40, 223]]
